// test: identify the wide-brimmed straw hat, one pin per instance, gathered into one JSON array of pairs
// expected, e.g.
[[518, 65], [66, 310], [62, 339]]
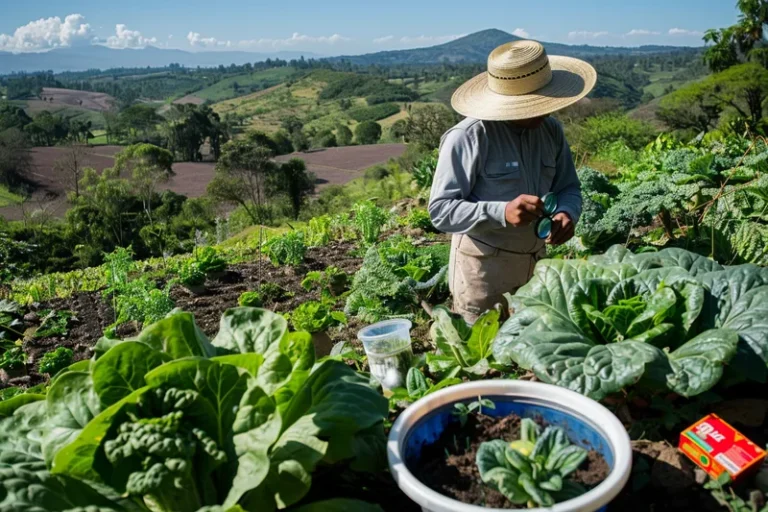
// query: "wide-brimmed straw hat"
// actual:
[[523, 82]]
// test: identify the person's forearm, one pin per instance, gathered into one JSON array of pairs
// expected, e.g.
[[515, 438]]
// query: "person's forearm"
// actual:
[[462, 216], [569, 201]]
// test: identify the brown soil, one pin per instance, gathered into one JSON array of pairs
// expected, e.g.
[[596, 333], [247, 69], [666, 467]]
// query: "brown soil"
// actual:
[[457, 476], [96, 101], [333, 166]]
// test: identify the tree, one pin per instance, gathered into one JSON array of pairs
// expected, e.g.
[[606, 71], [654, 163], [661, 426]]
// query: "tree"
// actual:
[[343, 135], [426, 125], [744, 41], [13, 117], [299, 140], [294, 180], [242, 175], [398, 130], [324, 139], [71, 165], [15, 158], [149, 165], [743, 88], [368, 132], [291, 124], [690, 107], [283, 142]]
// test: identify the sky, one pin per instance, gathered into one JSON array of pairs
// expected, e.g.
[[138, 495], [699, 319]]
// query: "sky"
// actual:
[[348, 27]]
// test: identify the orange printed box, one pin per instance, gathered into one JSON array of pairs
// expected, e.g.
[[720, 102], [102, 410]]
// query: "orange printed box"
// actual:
[[715, 446]]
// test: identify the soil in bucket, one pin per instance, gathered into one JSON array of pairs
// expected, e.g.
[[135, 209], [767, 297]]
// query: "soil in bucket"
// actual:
[[448, 466]]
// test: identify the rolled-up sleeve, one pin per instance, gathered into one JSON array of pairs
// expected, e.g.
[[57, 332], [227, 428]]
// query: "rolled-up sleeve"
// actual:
[[566, 184], [450, 208]]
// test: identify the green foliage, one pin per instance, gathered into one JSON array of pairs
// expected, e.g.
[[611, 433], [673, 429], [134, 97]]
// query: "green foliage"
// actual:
[[426, 125], [374, 113], [418, 218], [190, 273], [332, 282], [11, 326], [462, 348], [533, 469], [368, 132], [250, 300], [376, 89], [418, 386], [271, 292], [56, 360], [54, 323], [209, 260], [394, 278], [662, 320], [728, 499], [601, 130], [287, 249], [343, 135], [462, 410], [177, 422], [12, 357], [314, 316], [319, 231], [424, 171], [369, 219]]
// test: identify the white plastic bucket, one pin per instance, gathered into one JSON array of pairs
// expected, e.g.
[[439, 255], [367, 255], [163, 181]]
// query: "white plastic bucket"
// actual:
[[584, 420]]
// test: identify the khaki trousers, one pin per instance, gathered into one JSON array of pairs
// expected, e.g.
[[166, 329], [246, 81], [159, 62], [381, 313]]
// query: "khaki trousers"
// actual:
[[480, 275]]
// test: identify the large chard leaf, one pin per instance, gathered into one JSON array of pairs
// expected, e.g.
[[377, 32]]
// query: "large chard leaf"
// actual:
[[177, 336], [72, 402], [243, 330], [121, 371], [698, 364], [329, 418], [21, 434]]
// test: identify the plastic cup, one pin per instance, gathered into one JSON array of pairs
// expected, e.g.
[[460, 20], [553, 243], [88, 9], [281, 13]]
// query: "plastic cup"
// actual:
[[388, 347]]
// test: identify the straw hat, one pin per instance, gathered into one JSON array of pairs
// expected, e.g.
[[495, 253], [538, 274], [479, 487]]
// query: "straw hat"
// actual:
[[523, 82]]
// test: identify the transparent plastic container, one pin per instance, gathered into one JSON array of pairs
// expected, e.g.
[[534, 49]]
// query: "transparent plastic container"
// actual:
[[388, 347]]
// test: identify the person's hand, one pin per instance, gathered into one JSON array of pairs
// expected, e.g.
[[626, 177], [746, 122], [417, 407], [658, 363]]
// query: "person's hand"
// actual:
[[523, 210], [562, 229]]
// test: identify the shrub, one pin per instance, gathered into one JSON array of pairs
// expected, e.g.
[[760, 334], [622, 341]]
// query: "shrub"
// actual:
[[343, 135], [376, 173], [368, 132], [250, 299], [324, 139], [374, 113], [602, 130]]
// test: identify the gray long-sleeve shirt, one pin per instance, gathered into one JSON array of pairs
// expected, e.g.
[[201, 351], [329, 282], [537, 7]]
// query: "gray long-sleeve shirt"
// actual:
[[485, 164]]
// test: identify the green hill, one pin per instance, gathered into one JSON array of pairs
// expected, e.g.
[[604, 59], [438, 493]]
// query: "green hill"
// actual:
[[476, 47], [246, 83]]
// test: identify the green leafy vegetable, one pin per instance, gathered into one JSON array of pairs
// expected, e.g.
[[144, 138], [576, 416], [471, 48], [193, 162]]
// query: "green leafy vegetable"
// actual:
[[534, 468], [462, 347], [55, 360], [313, 316]]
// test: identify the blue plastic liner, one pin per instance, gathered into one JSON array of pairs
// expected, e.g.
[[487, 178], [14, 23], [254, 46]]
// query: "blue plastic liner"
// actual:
[[579, 430]]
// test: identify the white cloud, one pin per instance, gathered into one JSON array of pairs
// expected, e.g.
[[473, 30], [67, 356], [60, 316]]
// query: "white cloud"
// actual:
[[295, 39], [641, 32], [47, 33], [685, 32], [521, 32], [125, 38], [195, 39], [585, 34], [382, 40]]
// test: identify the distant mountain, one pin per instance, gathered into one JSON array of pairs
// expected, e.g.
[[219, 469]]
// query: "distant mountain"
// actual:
[[101, 57], [476, 47]]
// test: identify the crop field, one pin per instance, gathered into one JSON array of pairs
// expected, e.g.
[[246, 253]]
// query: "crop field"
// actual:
[[240, 85], [332, 166]]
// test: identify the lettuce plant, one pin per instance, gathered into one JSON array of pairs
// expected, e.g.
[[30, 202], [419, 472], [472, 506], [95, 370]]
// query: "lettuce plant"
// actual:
[[314, 316], [665, 320], [171, 420], [418, 386], [533, 469], [462, 348]]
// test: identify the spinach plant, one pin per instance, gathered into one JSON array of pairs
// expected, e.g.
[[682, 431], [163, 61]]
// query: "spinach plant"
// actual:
[[533, 469], [418, 386], [314, 316], [462, 348], [332, 282], [56, 360], [670, 319]]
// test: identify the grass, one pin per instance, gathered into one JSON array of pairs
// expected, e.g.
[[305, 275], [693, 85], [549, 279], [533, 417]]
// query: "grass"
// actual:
[[99, 138], [8, 198], [247, 83]]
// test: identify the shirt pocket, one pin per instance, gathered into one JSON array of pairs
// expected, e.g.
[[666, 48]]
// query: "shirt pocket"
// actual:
[[547, 174], [499, 181]]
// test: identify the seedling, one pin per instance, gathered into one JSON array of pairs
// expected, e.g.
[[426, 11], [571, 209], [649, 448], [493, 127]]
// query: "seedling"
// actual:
[[462, 410]]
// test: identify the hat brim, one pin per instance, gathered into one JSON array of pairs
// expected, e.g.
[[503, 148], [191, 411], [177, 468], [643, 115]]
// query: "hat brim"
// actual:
[[572, 79]]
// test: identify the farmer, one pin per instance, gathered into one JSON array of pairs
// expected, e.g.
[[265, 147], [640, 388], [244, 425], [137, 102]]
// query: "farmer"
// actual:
[[497, 164]]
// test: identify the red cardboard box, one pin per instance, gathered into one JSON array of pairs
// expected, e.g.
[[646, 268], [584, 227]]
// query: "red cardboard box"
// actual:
[[715, 446]]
